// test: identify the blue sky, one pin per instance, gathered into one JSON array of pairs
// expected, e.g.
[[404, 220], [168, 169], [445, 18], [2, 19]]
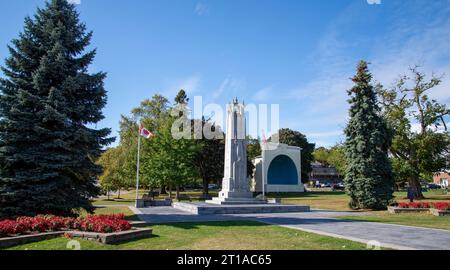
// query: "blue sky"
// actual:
[[299, 54]]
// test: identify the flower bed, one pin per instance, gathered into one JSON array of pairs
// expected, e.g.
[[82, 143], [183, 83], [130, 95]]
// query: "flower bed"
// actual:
[[40, 224], [424, 205], [444, 206], [435, 208]]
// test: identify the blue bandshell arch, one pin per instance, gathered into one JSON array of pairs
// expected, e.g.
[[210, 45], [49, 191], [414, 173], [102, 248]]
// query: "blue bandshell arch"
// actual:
[[282, 171]]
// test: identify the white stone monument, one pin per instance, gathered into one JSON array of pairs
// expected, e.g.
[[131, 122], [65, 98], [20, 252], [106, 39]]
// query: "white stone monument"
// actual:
[[236, 196], [235, 184]]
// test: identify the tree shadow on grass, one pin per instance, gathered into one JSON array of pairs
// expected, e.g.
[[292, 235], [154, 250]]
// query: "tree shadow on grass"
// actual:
[[227, 224], [306, 194], [257, 222], [154, 236]]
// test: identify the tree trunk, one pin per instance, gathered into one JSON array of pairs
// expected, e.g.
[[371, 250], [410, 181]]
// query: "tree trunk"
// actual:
[[151, 193], [170, 191], [414, 182], [205, 187], [163, 190], [178, 192], [107, 193], [118, 195]]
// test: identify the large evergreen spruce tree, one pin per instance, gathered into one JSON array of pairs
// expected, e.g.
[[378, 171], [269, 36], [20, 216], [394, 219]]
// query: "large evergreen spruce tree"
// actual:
[[48, 104], [369, 180]]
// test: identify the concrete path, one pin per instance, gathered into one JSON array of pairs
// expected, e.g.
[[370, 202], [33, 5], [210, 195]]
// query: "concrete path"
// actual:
[[320, 222]]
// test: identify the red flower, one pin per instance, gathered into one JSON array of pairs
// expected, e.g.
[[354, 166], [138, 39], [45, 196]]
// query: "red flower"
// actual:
[[92, 223], [441, 206]]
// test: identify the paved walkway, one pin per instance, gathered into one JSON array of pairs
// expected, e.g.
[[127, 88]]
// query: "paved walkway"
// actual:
[[320, 222]]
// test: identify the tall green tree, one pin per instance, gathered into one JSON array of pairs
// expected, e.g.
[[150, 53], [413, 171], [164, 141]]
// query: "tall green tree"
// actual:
[[416, 153], [169, 161], [253, 148], [337, 159], [149, 112], [322, 155], [369, 181], [114, 177], [210, 158], [48, 105], [295, 138], [332, 157], [181, 97]]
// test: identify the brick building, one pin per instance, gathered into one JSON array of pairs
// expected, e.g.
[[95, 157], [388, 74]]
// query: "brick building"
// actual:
[[441, 178]]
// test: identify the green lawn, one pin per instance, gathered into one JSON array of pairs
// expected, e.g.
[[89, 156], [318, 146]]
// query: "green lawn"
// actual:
[[411, 219], [323, 200], [129, 198], [129, 215], [125, 199], [335, 200], [230, 235]]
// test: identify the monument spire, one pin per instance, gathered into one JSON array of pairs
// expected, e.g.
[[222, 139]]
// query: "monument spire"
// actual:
[[235, 184]]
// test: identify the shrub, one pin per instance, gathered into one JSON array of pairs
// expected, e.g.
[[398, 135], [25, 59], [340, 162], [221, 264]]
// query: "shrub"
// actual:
[[11, 227]]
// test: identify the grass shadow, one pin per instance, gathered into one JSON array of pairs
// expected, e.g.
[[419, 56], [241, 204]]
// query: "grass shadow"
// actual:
[[306, 194], [225, 224]]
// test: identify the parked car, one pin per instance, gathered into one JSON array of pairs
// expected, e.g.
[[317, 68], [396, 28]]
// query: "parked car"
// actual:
[[213, 186], [339, 186], [433, 186]]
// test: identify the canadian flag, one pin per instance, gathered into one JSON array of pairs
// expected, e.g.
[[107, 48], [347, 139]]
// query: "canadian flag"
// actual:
[[145, 133]]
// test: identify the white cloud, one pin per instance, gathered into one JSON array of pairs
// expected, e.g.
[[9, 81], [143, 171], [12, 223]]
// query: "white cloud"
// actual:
[[322, 102], [374, 2], [229, 85], [415, 127], [76, 2], [201, 9], [190, 84], [264, 95], [326, 134]]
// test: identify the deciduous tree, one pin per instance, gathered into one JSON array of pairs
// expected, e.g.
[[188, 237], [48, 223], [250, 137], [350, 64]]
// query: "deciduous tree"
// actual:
[[415, 152]]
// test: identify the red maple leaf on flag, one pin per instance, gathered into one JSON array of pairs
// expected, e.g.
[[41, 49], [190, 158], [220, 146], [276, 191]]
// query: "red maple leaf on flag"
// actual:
[[145, 133]]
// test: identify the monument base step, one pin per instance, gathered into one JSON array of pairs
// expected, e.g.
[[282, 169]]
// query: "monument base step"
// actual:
[[215, 209], [235, 201]]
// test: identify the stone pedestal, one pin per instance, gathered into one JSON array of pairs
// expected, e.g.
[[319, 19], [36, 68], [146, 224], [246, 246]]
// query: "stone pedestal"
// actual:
[[139, 203]]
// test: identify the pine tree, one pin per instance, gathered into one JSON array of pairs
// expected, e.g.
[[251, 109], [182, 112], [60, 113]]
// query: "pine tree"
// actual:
[[48, 103], [369, 181]]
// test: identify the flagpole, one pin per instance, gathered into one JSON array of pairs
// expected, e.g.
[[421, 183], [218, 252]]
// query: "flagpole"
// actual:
[[263, 174], [263, 167], [138, 164]]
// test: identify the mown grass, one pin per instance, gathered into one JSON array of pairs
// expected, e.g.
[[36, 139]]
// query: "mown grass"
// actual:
[[229, 235], [410, 219], [129, 198], [129, 215], [337, 200]]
